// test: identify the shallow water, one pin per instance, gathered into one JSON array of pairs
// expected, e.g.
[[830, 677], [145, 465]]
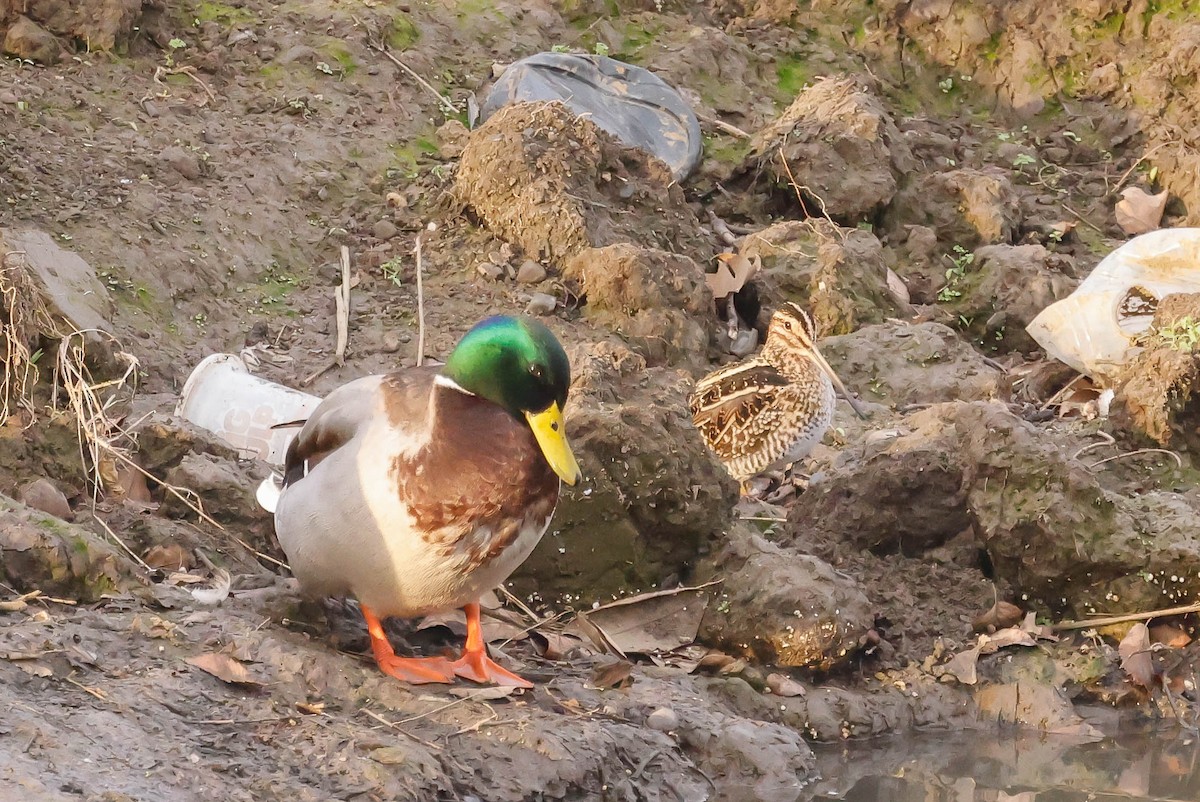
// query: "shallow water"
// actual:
[[1011, 767]]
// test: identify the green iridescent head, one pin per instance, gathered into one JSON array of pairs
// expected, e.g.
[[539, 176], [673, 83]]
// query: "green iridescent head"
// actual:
[[518, 364]]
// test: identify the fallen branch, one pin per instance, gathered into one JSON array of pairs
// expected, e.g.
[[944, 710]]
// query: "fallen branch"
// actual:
[[723, 126], [341, 297], [1178, 459], [1121, 619]]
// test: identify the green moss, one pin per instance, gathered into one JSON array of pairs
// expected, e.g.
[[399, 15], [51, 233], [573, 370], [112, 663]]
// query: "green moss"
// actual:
[[636, 36], [223, 14], [1111, 25], [726, 149], [402, 33], [335, 50], [792, 72], [991, 48]]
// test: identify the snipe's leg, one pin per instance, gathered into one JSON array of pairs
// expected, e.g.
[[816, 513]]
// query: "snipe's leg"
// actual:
[[413, 670], [475, 664]]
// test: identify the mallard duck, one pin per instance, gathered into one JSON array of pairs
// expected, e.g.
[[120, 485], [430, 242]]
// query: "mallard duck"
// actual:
[[419, 490], [772, 409]]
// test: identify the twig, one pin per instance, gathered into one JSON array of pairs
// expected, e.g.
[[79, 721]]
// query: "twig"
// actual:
[[1125, 175], [488, 719], [1107, 440], [723, 126], [341, 296], [19, 603], [1085, 221], [721, 228], [764, 518], [421, 297], [96, 692], [645, 764], [123, 545], [1121, 619], [379, 46], [1061, 391], [1122, 455], [189, 72], [395, 725]]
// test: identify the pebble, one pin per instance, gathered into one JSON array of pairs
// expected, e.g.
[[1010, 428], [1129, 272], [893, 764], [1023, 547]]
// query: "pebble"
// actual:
[[530, 272], [181, 161], [8, 97], [41, 494], [541, 303], [664, 719], [384, 229], [493, 271]]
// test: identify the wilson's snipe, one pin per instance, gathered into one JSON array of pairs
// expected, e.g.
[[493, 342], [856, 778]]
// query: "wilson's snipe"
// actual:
[[771, 409]]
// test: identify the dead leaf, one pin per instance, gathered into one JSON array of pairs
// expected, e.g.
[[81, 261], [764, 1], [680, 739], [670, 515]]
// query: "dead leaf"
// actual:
[[617, 674], [218, 591], [312, 708], [783, 685], [732, 274], [35, 668], [224, 668], [555, 645], [1038, 631], [660, 621], [131, 484], [169, 557], [1012, 636], [1170, 635], [152, 626], [714, 661], [963, 666], [1136, 660], [1138, 212], [1001, 616]]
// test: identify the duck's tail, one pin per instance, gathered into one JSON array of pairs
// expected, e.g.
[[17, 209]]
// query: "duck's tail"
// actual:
[[269, 491]]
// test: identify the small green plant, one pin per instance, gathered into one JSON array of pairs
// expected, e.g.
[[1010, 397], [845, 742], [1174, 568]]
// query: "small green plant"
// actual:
[[960, 261], [1182, 335], [1022, 159], [391, 270], [174, 45], [324, 67], [600, 49], [946, 85], [560, 49]]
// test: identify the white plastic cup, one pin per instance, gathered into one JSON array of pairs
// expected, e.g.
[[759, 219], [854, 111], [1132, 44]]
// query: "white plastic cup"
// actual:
[[223, 397]]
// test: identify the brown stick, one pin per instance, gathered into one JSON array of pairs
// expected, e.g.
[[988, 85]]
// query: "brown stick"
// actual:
[[1121, 619]]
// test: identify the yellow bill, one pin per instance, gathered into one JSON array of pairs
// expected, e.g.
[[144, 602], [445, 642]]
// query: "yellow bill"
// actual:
[[551, 435]]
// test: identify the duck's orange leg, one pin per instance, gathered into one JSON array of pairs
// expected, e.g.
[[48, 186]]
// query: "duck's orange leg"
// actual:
[[475, 664], [413, 670]]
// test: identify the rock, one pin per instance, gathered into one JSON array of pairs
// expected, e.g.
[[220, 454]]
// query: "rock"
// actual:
[[754, 759], [1064, 543], [1006, 287], [920, 263], [184, 162], [73, 294], [555, 184], [169, 557], [656, 301], [653, 498], [26, 39], [1104, 80], [903, 363], [530, 272], [489, 270], [41, 552], [664, 719], [225, 488], [384, 230], [102, 24], [838, 274], [1156, 388], [783, 608], [541, 304], [41, 494], [841, 147], [452, 137], [965, 207]]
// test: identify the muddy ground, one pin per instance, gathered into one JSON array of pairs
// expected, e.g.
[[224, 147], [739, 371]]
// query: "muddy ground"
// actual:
[[209, 160]]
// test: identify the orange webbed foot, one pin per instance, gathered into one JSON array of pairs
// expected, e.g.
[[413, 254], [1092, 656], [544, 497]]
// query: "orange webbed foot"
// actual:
[[413, 670], [475, 664]]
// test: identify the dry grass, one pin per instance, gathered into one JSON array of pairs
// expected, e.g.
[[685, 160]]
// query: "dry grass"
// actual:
[[24, 320]]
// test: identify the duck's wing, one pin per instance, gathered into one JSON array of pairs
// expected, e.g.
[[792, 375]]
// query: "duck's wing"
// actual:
[[402, 398], [729, 404]]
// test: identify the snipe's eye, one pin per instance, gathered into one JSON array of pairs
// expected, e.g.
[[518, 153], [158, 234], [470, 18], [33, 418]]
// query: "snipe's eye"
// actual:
[[787, 324]]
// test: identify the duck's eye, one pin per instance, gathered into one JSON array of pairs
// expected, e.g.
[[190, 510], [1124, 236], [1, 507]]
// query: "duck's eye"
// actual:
[[535, 371]]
